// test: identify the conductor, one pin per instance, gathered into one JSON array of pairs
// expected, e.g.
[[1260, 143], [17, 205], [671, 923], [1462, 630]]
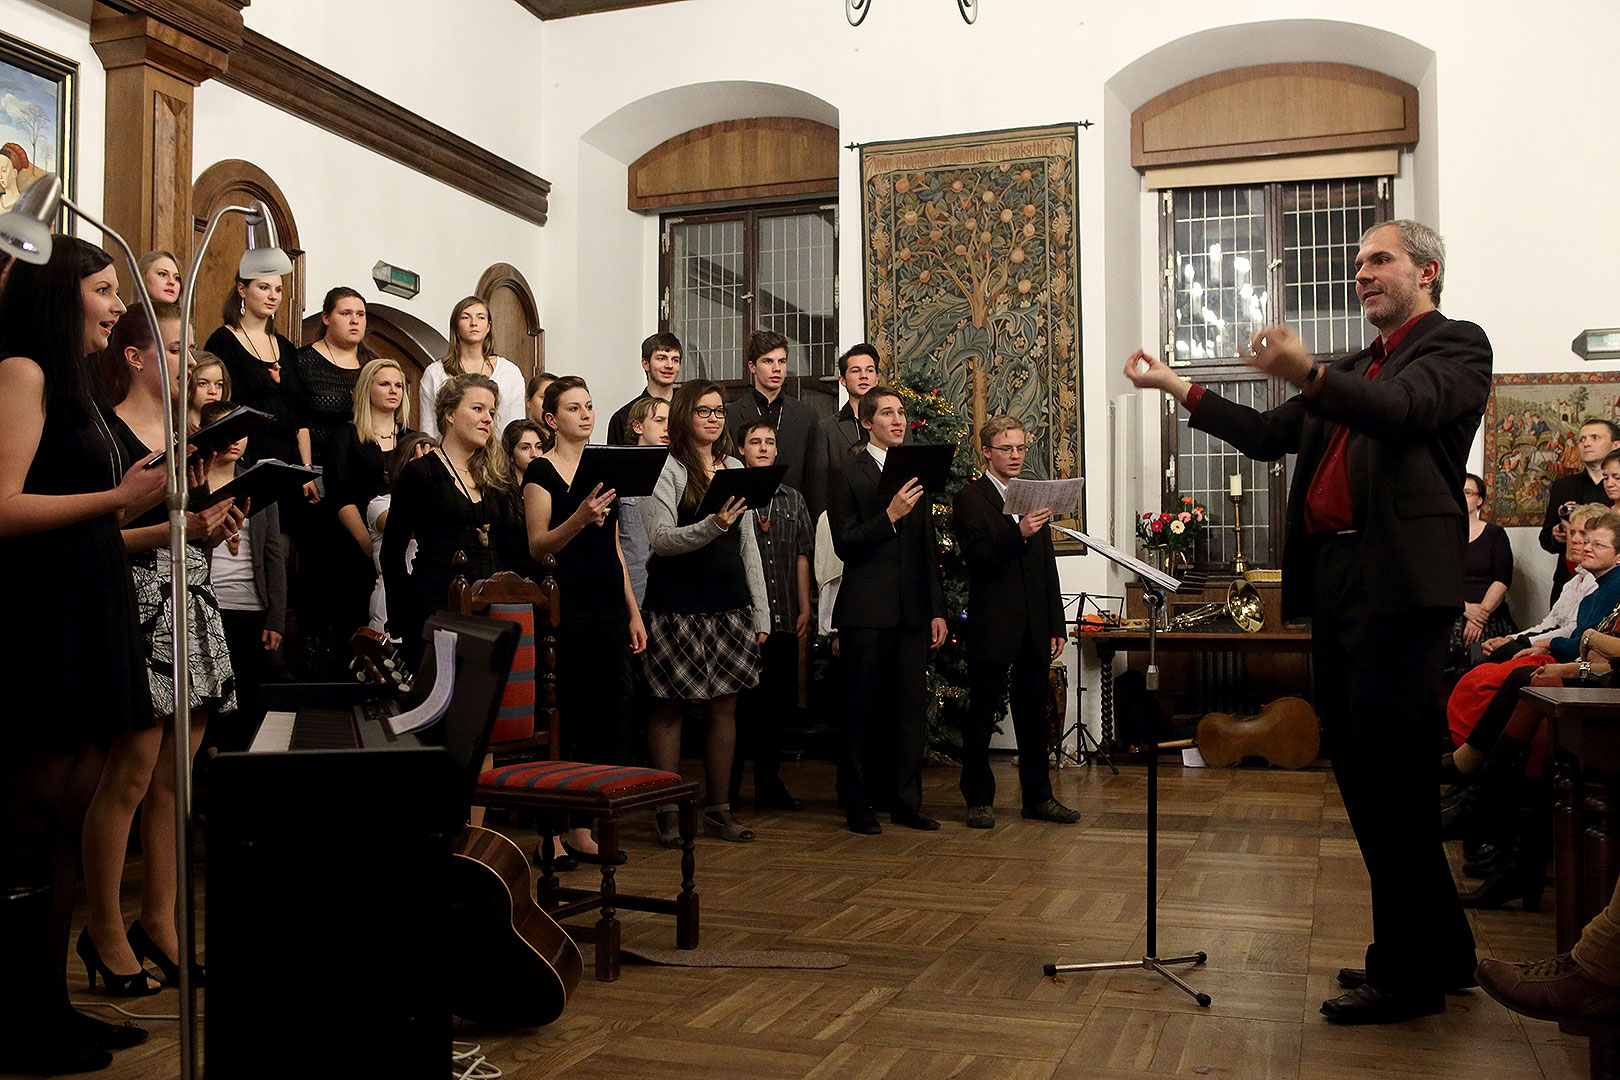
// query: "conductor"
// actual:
[[1373, 553]]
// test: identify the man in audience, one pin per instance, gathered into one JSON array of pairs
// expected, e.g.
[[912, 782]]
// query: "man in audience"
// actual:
[[839, 435], [890, 612], [1581, 986], [766, 355], [1373, 552], [1596, 438], [661, 360], [1014, 619], [785, 534]]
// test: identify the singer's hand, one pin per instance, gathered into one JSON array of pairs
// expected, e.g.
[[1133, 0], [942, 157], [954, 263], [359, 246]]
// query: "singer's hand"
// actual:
[[1148, 372], [1034, 522]]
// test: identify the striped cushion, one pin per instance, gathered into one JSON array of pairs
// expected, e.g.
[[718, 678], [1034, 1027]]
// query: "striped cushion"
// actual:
[[515, 720], [575, 776]]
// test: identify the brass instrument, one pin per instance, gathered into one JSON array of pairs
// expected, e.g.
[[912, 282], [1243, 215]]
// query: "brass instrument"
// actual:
[[1243, 605]]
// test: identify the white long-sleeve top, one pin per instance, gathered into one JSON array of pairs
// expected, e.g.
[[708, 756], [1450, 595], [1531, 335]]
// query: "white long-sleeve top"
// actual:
[[511, 406], [1562, 619]]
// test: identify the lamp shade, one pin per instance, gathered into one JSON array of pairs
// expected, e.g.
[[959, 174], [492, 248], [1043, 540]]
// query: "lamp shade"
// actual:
[[25, 229], [263, 258]]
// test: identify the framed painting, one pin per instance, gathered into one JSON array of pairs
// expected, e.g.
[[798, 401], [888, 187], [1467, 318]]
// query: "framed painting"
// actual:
[[1531, 427], [38, 118]]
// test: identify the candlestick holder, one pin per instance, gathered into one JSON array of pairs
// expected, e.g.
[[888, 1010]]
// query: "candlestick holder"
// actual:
[[1239, 564]]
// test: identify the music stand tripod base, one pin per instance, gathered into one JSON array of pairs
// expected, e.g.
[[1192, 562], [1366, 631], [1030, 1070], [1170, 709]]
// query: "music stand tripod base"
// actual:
[[1153, 596]]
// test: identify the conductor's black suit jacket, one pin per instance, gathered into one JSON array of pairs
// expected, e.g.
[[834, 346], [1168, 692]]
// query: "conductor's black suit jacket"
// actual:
[[1410, 431], [1013, 593], [891, 575]]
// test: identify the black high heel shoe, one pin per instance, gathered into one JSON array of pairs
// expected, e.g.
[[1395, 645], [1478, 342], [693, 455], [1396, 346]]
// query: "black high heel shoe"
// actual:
[[146, 949], [139, 984]]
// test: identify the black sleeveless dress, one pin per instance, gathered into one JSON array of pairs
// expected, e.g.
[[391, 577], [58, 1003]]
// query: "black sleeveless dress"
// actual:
[[71, 654]]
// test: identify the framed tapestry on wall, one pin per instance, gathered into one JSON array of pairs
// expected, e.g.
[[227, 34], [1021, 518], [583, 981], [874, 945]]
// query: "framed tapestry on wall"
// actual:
[[38, 118], [1531, 425], [971, 263]]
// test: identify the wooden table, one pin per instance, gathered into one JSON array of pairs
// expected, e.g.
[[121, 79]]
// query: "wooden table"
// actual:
[[1585, 727]]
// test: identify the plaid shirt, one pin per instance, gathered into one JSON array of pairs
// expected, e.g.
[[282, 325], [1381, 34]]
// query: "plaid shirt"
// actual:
[[784, 531]]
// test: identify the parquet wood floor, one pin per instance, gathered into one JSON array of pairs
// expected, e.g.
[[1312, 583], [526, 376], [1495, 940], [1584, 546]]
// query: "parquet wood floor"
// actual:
[[946, 932]]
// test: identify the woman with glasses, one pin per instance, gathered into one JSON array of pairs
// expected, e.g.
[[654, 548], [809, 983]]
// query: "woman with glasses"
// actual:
[[1487, 574], [706, 609]]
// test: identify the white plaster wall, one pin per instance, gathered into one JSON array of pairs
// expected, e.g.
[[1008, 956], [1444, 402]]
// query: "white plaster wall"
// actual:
[[1512, 159], [62, 26]]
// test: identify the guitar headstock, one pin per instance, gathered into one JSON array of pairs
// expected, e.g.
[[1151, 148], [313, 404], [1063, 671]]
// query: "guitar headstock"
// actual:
[[377, 661]]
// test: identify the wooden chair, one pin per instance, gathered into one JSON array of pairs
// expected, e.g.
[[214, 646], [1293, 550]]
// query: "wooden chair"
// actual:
[[553, 790]]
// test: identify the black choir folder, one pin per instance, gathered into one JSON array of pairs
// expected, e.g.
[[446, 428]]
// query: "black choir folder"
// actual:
[[236, 424], [630, 471], [265, 483], [757, 485], [928, 462]]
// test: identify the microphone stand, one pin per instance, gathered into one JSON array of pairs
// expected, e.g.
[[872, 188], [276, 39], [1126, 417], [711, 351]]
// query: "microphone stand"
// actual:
[[1154, 587]]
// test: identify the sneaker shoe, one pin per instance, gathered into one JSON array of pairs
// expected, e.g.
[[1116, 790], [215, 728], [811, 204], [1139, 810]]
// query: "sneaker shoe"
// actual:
[[1553, 989], [1054, 811], [981, 817]]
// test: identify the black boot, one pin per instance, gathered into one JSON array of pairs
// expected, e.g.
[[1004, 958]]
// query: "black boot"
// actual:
[[1486, 807], [37, 1035], [1521, 871]]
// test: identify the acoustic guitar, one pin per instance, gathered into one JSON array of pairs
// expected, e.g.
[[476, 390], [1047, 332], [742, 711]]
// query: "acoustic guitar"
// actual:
[[1285, 733], [511, 965]]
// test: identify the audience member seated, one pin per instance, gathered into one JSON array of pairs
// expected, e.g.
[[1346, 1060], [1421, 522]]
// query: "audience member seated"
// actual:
[[1595, 440], [1560, 619], [1611, 478], [1581, 986], [472, 352]]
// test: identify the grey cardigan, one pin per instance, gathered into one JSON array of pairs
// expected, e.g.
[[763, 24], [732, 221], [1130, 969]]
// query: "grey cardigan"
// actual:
[[660, 511]]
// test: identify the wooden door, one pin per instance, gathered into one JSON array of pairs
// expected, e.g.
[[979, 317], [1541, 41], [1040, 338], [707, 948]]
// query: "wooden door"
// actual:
[[516, 319], [238, 183]]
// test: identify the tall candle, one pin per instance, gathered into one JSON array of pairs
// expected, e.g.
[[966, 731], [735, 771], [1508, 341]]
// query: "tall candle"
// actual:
[[1237, 485]]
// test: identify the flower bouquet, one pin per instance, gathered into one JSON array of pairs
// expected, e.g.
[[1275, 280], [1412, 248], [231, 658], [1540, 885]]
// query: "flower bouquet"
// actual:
[[1172, 534]]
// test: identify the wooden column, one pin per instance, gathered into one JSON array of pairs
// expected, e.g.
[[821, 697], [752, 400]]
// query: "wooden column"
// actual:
[[153, 69]]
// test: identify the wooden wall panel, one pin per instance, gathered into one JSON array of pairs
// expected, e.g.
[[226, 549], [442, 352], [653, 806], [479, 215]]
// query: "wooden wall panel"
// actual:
[[770, 157], [1274, 109]]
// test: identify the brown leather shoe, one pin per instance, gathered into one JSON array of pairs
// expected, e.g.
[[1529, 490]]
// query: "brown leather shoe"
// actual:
[[1552, 989], [1052, 810]]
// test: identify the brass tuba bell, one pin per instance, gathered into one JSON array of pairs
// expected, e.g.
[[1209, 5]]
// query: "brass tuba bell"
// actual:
[[1243, 605]]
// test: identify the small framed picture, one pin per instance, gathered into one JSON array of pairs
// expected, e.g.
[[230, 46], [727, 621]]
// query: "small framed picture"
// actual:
[[39, 108]]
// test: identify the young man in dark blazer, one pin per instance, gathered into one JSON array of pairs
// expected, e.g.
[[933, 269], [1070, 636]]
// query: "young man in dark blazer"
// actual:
[[1014, 621], [890, 612], [839, 435], [1374, 554], [767, 357]]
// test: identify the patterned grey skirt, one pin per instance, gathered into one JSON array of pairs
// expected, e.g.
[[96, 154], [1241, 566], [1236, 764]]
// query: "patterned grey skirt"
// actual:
[[696, 657], [213, 684]]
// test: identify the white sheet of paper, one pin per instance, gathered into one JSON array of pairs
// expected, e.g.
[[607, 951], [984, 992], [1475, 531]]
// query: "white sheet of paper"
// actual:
[[444, 685], [1028, 496], [1107, 551]]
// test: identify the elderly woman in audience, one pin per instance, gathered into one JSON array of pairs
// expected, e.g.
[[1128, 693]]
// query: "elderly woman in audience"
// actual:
[[1611, 478], [64, 487], [450, 499], [249, 574], [472, 352], [140, 765], [262, 366], [412, 445], [207, 381]]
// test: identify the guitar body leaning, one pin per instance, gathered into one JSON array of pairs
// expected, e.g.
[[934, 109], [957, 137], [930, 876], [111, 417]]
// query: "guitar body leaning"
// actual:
[[512, 965], [1286, 733]]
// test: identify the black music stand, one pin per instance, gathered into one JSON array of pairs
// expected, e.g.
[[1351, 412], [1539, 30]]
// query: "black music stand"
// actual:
[[1154, 586], [1087, 750]]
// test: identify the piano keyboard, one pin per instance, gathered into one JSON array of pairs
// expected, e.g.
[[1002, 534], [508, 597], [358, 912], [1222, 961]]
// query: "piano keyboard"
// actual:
[[327, 729]]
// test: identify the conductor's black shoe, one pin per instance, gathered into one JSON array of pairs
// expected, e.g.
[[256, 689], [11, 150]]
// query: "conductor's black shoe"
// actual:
[[863, 822], [1365, 1005], [981, 817], [1351, 978], [1052, 810], [914, 819]]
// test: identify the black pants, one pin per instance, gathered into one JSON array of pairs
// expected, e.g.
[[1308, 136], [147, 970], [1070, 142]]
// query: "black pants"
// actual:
[[244, 638], [987, 683], [885, 722], [594, 693], [1378, 690], [763, 711]]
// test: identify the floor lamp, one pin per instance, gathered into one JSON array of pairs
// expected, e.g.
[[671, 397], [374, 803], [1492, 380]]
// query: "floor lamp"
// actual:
[[25, 234]]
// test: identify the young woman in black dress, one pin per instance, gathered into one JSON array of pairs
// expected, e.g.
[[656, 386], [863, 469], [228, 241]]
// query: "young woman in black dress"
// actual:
[[263, 370], [707, 611], [600, 625], [71, 655], [140, 765], [449, 500]]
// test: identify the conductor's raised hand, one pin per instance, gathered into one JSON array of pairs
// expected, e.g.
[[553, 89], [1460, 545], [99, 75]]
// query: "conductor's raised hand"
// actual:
[[1148, 372], [905, 500], [727, 515], [1280, 352], [1034, 522]]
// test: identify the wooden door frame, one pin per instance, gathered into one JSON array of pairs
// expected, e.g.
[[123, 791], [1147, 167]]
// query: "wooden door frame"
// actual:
[[222, 178], [506, 276]]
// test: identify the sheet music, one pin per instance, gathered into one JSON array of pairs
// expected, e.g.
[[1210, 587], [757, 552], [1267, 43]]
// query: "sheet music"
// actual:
[[1028, 496], [1119, 558], [444, 685]]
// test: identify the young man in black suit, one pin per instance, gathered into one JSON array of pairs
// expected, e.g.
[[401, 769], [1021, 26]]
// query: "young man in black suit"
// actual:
[[1374, 554], [1595, 439], [661, 360], [1014, 620], [767, 357], [839, 435], [890, 612]]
